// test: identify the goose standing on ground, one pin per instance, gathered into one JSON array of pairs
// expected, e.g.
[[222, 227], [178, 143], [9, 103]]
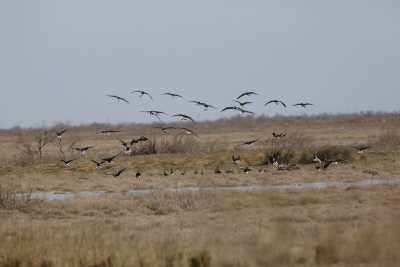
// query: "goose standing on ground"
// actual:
[[173, 95], [276, 102], [119, 98], [325, 165], [110, 159], [164, 129], [59, 134], [67, 162], [249, 143], [242, 104], [361, 148], [218, 171], [248, 94], [245, 170], [189, 131], [278, 136], [184, 117], [82, 150], [107, 132], [142, 93], [138, 174], [303, 104], [98, 164]]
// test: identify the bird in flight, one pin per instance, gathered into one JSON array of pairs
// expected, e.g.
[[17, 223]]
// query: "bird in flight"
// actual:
[[119, 98], [107, 133], [110, 159], [189, 131], [67, 162], [236, 159], [59, 134], [184, 117], [98, 164], [276, 102], [82, 150], [278, 136], [249, 143], [164, 129], [361, 149], [117, 173], [206, 106], [155, 113], [248, 94], [173, 95], [303, 104], [123, 144], [142, 93], [242, 104], [325, 165]]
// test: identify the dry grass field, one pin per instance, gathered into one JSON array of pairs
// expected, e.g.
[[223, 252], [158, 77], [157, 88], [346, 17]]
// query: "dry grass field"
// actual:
[[354, 226]]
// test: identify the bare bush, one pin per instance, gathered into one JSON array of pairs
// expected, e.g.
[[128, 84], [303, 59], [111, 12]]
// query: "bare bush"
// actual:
[[43, 137], [179, 144], [144, 148], [388, 140]]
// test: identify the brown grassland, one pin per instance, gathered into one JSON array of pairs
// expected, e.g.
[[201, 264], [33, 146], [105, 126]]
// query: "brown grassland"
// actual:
[[354, 226]]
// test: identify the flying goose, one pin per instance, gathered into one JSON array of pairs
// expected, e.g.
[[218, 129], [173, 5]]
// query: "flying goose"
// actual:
[[164, 129], [325, 165], [236, 159], [142, 93], [278, 136], [316, 159], [274, 160], [119, 98], [123, 144], [59, 134], [249, 143], [98, 164], [67, 162], [361, 149], [303, 104], [117, 173], [155, 113], [242, 104], [107, 132], [248, 94], [242, 111], [189, 131], [82, 150], [197, 102], [233, 108], [137, 141], [128, 150], [184, 117], [276, 102], [173, 95], [206, 106], [110, 159]]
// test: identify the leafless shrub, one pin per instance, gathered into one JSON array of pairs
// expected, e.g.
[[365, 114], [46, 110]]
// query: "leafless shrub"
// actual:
[[179, 144], [388, 140], [13, 196], [43, 136]]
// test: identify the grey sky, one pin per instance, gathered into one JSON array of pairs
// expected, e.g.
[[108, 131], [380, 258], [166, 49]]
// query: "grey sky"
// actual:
[[59, 59]]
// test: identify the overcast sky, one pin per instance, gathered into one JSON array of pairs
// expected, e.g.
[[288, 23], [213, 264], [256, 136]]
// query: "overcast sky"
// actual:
[[60, 59]]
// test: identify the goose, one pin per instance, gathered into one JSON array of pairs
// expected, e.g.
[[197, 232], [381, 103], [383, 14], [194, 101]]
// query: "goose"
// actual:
[[59, 134], [110, 159], [325, 165], [173, 95], [184, 117], [107, 132], [155, 113], [229, 171], [276, 102], [195, 172], [250, 143], [248, 94], [142, 93], [233, 108], [189, 131], [197, 102], [245, 170], [128, 150], [82, 150], [137, 141], [143, 138], [119, 98], [361, 149], [164, 129], [98, 164], [202, 172], [183, 173], [236, 159], [242, 112], [274, 160], [171, 172], [138, 174], [165, 174], [67, 162], [123, 144], [242, 104], [278, 136], [117, 173], [303, 104], [217, 170], [261, 170], [206, 106], [316, 159]]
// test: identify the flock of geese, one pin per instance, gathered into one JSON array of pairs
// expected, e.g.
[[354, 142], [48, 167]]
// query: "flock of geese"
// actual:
[[322, 164]]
